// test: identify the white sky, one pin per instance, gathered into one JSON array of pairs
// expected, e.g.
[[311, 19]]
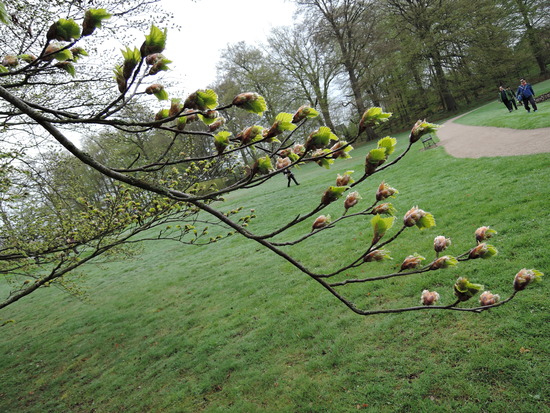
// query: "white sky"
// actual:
[[195, 51]]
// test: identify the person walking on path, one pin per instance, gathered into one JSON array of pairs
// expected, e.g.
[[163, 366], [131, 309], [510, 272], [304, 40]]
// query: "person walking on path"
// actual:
[[505, 98], [290, 176], [526, 94], [512, 97]]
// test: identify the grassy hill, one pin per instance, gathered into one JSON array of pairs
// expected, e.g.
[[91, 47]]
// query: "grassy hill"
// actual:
[[233, 328]]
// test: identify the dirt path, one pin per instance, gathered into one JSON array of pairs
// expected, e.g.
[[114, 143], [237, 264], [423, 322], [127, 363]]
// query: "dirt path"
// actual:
[[463, 141]]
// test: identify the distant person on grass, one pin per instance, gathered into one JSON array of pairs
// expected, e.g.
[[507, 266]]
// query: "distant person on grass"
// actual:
[[513, 99], [526, 94], [506, 97], [290, 176]]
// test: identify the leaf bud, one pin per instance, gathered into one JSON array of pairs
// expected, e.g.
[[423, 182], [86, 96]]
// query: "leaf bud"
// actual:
[[486, 298], [441, 243], [412, 262], [429, 297], [321, 222], [525, 277]]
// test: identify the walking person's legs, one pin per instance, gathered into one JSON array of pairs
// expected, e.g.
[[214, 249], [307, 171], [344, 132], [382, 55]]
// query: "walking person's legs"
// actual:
[[526, 105], [533, 103]]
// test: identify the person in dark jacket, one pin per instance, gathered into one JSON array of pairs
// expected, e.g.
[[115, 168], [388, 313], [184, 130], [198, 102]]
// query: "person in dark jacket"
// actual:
[[505, 98], [290, 176], [526, 94], [512, 97]]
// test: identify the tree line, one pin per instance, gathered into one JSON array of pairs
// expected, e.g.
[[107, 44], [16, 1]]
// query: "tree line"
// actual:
[[412, 57]]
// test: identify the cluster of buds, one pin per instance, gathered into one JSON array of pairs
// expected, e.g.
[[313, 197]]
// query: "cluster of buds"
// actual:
[[322, 158], [384, 209], [487, 298], [320, 222], [10, 61], [484, 233], [158, 63], [482, 251], [159, 91], [429, 297], [320, 138], [283, 122], [283, 163], [420, 129], [251, 102], [250, 134], [201, 100], [464, 289], [385, 191], [304, 112], [344, 180], [189, 116], [412, 262], [372, 117], [351, 199], [377, 255], [418, 217], [340, 150], [441, 243], [443, 262], [155, 42], [92, 20], [525, 277]]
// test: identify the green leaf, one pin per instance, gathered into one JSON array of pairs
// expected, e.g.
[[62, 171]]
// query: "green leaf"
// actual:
[[67, 67], [332, 194], [284, 122], [155, 41], [380, 226], [264, 165], [427, 221], [375, 156], [388, 144], [63, 55], [93, 19], [221, 140], [464, 289], [4, 17], [64, 30], [3, 69], [320, 138]]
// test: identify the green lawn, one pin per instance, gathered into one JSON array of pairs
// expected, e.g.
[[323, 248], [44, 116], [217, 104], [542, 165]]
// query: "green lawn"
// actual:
[[234, 328], [496, 114]]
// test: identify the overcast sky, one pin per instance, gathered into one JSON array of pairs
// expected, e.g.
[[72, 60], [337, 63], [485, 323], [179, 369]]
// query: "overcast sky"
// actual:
[[195, 53]]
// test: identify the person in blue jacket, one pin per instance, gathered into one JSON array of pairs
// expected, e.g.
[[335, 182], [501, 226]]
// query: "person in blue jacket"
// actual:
[[526, 94]]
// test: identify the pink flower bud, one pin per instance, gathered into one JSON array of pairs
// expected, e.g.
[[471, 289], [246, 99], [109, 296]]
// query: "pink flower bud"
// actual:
[[377, 255], [525, 277], [482, 251], [412, 216], [351, 200], [321, 222], [342, 180], [443, 262], [429, 297], [441, 243], [486, 298], [299, 149], [385, 191], [155, 88], [383, 209], [282, 163], [412, 262], [484, 233]]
